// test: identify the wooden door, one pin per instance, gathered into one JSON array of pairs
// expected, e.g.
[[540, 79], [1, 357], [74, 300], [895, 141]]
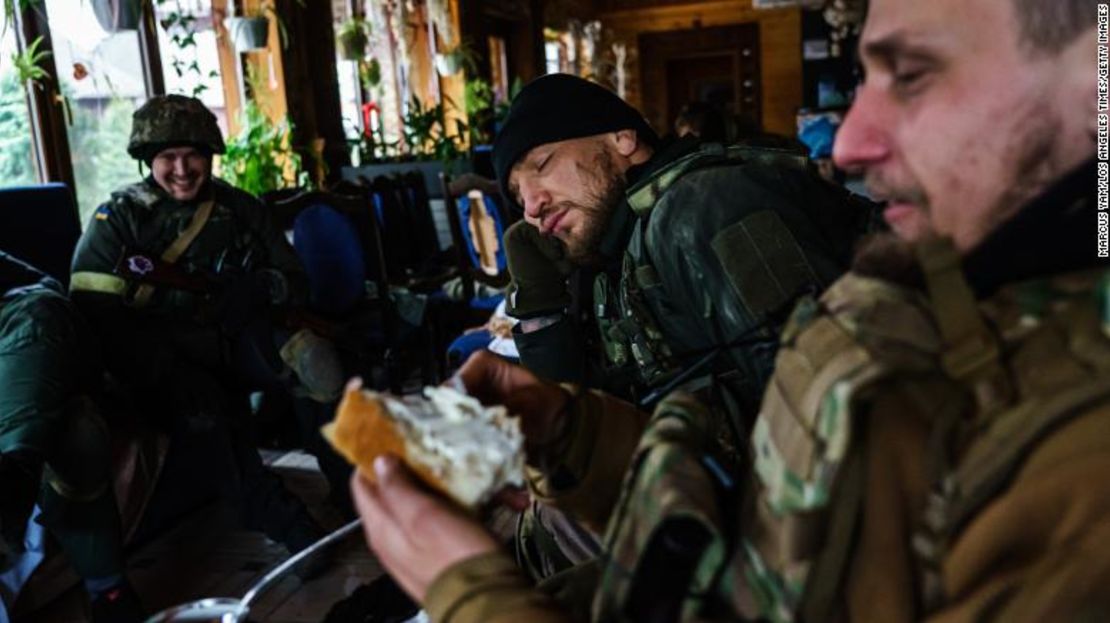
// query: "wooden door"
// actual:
[[719, 65]]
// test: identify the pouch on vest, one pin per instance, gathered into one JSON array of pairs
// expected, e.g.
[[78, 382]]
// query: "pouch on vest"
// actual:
[[668, 538]]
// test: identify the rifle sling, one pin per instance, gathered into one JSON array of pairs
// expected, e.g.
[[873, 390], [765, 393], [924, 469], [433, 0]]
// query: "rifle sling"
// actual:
[[177, 248]]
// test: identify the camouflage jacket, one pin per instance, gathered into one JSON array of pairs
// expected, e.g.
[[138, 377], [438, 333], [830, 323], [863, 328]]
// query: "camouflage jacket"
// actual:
[[44, 358], [931, 451], [711, 249], [889, 449], [144, 339]]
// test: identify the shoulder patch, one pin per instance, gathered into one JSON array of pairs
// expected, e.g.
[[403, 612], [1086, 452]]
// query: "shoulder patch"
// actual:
[[103, 212]]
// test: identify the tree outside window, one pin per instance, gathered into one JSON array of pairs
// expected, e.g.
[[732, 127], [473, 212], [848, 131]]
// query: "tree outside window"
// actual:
[[101, 76], [17, 158]]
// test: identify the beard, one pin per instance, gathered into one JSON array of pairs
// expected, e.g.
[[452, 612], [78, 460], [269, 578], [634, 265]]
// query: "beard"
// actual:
[[605, 193], [885, 256]]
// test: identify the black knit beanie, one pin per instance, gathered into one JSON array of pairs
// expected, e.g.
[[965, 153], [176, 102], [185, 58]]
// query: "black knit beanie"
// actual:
[[558, 107]]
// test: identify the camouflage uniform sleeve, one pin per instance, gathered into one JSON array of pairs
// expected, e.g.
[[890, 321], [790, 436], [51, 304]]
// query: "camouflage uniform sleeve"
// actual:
[[134, 342], [581, 476], [736, 246], [278, 254], [40, 355], [489, 588]]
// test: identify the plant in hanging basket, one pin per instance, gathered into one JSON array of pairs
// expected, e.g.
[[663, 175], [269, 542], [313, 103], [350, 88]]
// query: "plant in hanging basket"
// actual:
[[352, 37], [118, 15], [252, 32], [248, 33], [462, 56]]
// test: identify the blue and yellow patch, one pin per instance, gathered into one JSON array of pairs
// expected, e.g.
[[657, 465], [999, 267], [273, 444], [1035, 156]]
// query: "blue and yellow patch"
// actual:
[[102, 213]]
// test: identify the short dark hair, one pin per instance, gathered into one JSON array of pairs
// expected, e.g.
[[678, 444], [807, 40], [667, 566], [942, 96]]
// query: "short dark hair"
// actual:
[[1051, 25]]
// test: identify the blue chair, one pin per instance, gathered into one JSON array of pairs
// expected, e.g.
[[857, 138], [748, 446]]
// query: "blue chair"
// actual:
[[39, 225], [459, 206], [328, 246]]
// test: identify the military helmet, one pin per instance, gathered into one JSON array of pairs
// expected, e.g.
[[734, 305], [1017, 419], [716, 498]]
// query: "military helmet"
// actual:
[[173, 120]]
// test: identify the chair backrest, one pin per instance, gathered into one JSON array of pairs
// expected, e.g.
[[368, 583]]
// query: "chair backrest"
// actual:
[[459, 208], [328, 230], [398, 248], [414, 195], [39, 225], [460, 195]]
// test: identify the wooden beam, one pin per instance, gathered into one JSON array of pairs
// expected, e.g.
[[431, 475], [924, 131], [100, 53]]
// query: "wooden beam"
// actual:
[[148, 51]]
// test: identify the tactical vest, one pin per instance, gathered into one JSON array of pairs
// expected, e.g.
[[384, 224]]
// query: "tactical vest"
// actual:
[[224, 244], [624, 303], [775, 544]]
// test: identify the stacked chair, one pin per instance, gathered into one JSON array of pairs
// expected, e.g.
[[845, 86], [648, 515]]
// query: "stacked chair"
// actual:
[[339, 239]]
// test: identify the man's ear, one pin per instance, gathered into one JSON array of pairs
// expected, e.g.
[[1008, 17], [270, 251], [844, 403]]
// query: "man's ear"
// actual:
[[626, 142]]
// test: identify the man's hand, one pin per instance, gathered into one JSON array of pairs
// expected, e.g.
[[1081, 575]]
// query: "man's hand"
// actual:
[[539, 273], [539, 404], [415, 534]]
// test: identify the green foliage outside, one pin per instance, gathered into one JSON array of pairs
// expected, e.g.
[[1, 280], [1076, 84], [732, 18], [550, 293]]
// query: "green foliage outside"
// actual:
[[98, 147], [17, 164]]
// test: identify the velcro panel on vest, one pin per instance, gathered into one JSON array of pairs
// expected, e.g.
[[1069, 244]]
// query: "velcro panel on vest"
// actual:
[[763, 262]]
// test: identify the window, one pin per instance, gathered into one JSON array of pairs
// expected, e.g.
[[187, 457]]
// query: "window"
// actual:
[[101, 78], [190, 58], [347, 70], [17, 158]]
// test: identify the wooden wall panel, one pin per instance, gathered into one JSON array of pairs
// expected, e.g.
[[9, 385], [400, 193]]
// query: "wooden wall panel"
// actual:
[[780, 47]]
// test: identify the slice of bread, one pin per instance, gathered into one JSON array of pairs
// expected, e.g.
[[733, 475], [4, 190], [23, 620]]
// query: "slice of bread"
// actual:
[[448, 439]]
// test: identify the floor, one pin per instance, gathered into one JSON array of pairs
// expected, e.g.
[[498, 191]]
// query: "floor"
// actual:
[[207, 555]]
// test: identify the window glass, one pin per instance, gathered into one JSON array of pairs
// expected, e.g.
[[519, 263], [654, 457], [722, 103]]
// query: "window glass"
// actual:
[[347, 71], [190, 58], [100, 75], [17, 159]]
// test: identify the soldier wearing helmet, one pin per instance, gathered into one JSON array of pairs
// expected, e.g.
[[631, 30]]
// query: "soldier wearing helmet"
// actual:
[[189, 356]]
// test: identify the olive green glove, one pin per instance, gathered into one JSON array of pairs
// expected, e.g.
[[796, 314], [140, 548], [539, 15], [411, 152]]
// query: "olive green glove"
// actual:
[[539, 271]]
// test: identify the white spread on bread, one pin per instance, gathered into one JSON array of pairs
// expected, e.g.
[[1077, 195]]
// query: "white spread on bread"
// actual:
[[474, 450]]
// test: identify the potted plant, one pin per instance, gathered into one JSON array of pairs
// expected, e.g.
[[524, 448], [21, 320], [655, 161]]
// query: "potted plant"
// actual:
[[259, 157], [458, 58], [248, 33], [352, 38], [118, 15], [370, 73], [252, 32], [27, 64]]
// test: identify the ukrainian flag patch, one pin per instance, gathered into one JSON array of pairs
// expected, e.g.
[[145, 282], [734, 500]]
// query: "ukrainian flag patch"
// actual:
[[102, 213]]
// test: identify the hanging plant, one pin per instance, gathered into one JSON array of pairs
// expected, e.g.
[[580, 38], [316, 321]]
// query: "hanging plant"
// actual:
[[27, 64], [118, 15], [11, 7], [370, 74], [29, 71], [461, 57], [252, 32], [248, 33], [352, 38]]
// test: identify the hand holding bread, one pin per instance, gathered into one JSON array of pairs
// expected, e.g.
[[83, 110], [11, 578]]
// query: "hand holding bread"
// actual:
[[449, 440]]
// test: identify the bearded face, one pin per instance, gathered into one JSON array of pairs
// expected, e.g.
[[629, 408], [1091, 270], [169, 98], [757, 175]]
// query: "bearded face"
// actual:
[[570, 190]]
